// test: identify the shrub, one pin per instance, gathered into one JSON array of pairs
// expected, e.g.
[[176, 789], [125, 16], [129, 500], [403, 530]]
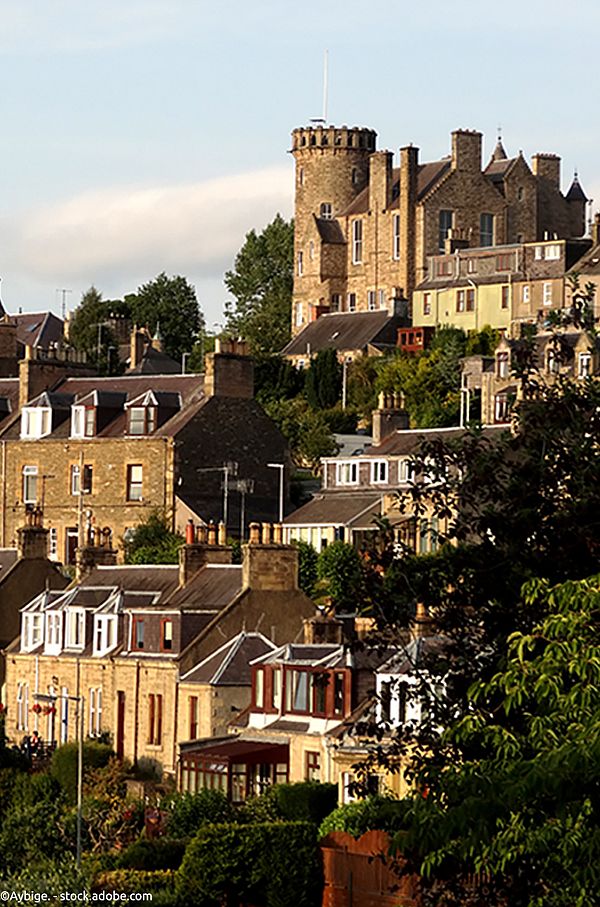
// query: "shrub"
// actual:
[[190, 812], [274, 863], [152, 854], [306, 801], [370, 814], [64, 763], [130, 881]]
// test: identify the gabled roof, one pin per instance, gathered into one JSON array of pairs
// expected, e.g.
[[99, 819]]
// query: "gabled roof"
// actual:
[[344, 331], [428, 175], [38, 328], [576, 193], [330, 231], [230, 665], [155, 362], [407, 441], [324, 655], [336, 508], [8, 557]]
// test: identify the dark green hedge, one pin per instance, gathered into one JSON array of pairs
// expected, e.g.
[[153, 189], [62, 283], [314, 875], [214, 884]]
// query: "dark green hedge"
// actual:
[[275, 864], [305, 801], [64, 763], [152, 854]]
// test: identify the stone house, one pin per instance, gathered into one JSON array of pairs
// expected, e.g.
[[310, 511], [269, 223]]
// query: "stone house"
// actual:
[[365, 229], [100, 454], [154, 655]]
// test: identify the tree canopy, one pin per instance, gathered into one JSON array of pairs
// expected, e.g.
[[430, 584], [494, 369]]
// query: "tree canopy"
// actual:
[[153, 542], [514, 813], [91, 331], [261, 282], [170, 304]]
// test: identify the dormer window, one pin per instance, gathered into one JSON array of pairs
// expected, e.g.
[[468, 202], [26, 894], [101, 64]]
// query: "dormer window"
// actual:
[[105, 634], [83, 421], [76, 629], [53, 632], [142, 420], [33, 626], [36, 421]]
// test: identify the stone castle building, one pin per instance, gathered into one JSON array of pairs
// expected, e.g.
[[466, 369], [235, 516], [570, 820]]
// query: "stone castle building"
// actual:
[[364, 229]]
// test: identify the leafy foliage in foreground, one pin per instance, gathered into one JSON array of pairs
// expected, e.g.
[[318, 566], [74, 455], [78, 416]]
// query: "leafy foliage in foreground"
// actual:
[[518, 807]]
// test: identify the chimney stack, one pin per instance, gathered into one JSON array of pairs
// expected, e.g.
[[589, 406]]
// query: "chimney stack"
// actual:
[[32, 538], [268, 565], [390, 416], [209, 548]]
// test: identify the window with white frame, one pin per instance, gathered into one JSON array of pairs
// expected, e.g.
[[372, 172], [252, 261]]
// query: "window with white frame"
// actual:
[[298, 316], [326, 210], [336, 301], [379, 472], [372, 300], [352, 302], [53, 544], [135, 474], [584, 365], [83, 421], [77, 486], [382, 299], [552, 362], [142, 420], [22, 706], [552, 253], [76, 629], [502, 364], [33, 626], [547, 297], [500, 408], [396, 237], [357, 242], [95, 711], [105, 633], [404, 470], [427, 303], [347, 472], [30, 484], [525, 295], [538, 253], [53, 631], [36, 421]]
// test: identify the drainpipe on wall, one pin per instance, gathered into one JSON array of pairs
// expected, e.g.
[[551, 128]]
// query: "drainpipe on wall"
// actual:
[[136, 705]]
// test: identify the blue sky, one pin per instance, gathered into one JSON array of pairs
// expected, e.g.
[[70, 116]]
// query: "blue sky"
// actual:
[[148, 135]]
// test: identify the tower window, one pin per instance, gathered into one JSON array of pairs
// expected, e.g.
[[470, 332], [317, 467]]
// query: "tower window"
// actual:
[[357, 242], [301, 176], [396, 237], [326, 210]]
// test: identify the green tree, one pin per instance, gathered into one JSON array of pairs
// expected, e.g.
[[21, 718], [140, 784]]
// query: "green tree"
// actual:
[[514, 810], [340, 576], [307, 567], [90, 331], [324, 380], [153, 542], [261, 283], [170, 304], [306, 430]]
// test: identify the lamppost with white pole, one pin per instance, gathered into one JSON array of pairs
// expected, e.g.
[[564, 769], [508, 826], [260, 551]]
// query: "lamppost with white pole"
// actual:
[[281, 468]]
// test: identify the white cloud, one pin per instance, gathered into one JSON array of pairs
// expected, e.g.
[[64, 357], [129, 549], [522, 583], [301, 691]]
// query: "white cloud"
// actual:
[[117, 232]]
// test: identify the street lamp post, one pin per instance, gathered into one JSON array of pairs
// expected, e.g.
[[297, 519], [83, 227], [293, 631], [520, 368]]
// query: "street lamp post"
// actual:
[[51, 698], [281, 468]]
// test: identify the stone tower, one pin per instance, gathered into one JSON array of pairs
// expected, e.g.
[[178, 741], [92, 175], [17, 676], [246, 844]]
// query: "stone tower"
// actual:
[[332, 168]]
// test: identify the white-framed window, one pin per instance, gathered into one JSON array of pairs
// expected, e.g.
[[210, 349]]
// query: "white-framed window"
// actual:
[[300, 261], [105, 633], [502, 364], [538, 253], [552, 253], [95, 711], [403, 471], [298, 316], [352, 302], [33, 631], [77, 486], [471, 265], [427, 303], [53, 632], [22, 706], [36, 421], [584, 365], [30, 484], [547, 297], [372, 300], [259, 688], [357, 242], [76, 629], [500, 408], [336, 302], [347, 472], [382, 299], [396, 237], [83, 421], [142, 420], [276, 688], [326, 210], [526, 295], [445, 225], [53, 544], [460, 300], [379, 472]]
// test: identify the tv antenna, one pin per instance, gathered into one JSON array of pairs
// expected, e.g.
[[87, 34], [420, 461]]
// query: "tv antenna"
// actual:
[[63, 291], [322, 121]]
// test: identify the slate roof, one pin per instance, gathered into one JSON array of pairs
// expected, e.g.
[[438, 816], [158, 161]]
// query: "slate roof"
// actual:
[[330, 231], [428, 175], [155, 362], [589, 263], [132, 578], [230, 665], [576, 193], [345, 331], [213, 587], [8, 557], [38, 328], [407, 441], [335, 508], [326, 655]]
